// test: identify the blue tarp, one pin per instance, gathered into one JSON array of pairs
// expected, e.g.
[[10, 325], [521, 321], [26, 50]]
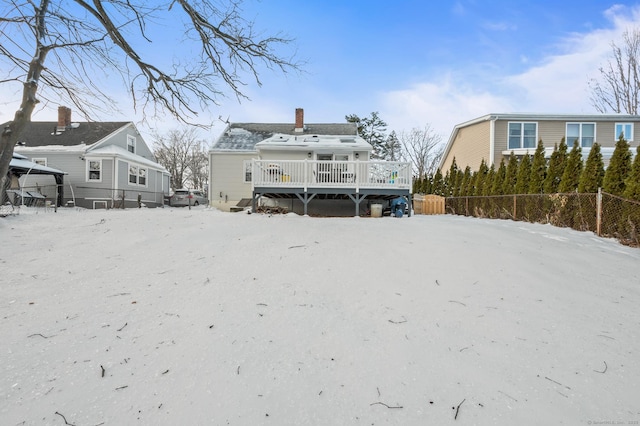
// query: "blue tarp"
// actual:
[[398, 205]]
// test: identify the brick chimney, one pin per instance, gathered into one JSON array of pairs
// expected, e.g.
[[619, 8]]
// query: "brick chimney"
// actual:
[[299, 120], [64, 118]]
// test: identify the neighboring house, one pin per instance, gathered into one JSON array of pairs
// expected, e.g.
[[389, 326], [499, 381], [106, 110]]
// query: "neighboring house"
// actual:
[[308, 168], [105, 162], [495, 136]]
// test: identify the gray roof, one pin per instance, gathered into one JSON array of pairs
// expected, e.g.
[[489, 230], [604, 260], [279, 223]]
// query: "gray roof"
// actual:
[[43, 133], [245, 136]]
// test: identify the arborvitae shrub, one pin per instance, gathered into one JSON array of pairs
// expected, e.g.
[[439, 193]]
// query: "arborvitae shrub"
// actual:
[[437, 186], [632, 192], [572, 170], [556, 168], [511, 174], [479, 178], [619, 168], [467, 185], [498, 179], [593, 172], [524, 175], [632, 184], [538, 170]]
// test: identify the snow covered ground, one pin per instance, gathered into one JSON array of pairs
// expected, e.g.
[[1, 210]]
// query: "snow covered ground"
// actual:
[[200, 317]]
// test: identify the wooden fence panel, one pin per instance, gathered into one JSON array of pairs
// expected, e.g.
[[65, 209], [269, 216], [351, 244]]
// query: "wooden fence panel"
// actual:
[[428, 204]]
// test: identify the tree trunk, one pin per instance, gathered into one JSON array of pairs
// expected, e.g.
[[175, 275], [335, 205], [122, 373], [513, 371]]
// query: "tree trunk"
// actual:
[[8, 140], [12, 131]]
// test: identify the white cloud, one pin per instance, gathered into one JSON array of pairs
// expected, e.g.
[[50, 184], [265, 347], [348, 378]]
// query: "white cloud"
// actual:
[[557, 84], [442, 104]]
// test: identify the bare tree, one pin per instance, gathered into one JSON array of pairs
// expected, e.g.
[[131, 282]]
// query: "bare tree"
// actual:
[[423, 148], [198, 170], [80, 40], [619, 89], [181, 152]]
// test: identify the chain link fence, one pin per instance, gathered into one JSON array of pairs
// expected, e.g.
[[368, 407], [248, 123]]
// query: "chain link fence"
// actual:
[[604, 214], [46, 196]]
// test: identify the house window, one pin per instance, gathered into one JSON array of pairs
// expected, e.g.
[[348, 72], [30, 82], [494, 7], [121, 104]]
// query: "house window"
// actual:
[[131, 144], [624, 129], [40, 161], [584, 133], [133, 174], [248, 164], [522, 135], [137, 175], [95, 170]]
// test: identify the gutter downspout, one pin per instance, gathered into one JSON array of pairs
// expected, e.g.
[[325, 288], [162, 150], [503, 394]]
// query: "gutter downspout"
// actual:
[[114, 181], [492, 141]]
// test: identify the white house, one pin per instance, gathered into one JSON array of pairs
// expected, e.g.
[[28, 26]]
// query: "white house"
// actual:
[[309, 168]]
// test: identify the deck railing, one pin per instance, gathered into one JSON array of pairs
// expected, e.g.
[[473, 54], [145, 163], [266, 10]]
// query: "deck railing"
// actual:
[[331, 174]]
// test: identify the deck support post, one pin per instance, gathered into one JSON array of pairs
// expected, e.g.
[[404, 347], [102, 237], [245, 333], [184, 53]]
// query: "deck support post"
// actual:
[[305, 199], [256, 195], [357, 198]]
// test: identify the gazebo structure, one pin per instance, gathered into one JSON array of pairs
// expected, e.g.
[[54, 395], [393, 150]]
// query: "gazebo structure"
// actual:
[[22, 166]]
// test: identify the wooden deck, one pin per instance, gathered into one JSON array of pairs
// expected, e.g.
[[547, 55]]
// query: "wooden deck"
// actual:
[[309, 179]]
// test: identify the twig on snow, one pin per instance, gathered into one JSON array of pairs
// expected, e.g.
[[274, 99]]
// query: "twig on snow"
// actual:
[[455, 301], [102, 368], [509, 396], [119, 294], [65, 419], [608, 337], [458, 409], [39, 334], [605, 368], [121, 328], [388, 406], [398, 322], [557, 383]]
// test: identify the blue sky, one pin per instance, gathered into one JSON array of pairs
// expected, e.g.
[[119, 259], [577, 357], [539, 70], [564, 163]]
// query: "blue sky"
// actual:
[[424, 63]]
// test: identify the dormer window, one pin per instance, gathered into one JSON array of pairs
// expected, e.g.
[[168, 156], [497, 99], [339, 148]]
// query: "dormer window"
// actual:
[[131, 144]]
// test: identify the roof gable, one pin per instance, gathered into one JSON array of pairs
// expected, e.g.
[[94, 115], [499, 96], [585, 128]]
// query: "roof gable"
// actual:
[[46, 133]]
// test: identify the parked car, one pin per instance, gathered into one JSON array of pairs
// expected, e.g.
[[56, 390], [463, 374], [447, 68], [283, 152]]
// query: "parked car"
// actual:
[[188, 197]]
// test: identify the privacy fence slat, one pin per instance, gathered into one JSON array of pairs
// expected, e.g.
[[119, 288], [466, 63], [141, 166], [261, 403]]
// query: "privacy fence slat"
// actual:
[[428, 204]]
